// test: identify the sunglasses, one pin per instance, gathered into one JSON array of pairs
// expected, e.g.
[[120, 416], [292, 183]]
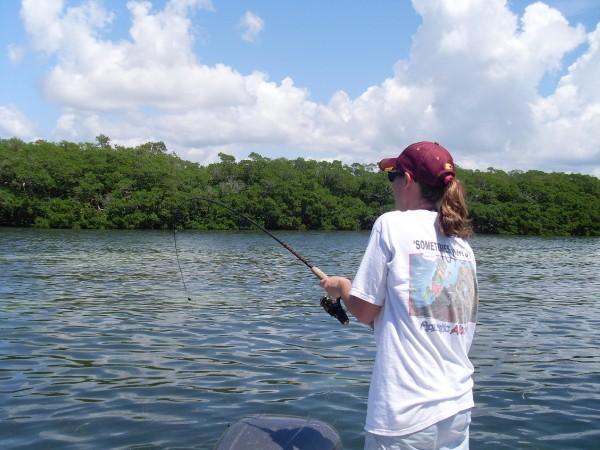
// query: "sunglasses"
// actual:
[[393, 175]]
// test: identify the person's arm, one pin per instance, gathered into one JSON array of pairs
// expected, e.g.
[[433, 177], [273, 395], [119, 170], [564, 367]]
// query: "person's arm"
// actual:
[[339, 287]]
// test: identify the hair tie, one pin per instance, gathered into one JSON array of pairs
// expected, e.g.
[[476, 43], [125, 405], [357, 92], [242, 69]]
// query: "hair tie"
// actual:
[[448, 179]]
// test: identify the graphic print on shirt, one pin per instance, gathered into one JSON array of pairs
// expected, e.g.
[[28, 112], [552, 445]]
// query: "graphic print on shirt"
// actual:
[[442, 288]]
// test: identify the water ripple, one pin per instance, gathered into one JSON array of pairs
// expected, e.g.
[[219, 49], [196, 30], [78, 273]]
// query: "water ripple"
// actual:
[[102, 349]]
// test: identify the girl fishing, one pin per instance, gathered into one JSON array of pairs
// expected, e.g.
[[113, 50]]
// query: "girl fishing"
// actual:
[[417, 286]]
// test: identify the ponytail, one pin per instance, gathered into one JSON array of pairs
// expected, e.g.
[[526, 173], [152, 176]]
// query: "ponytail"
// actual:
[[453, 213]]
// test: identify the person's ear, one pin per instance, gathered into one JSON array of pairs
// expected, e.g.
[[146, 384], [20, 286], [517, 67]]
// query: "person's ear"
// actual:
[[409, 179]]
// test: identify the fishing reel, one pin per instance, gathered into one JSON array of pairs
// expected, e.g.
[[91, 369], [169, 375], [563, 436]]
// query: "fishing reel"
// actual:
[[334, 308]]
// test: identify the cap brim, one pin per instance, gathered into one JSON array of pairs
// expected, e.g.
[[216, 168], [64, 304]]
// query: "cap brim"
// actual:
[[387, 165]]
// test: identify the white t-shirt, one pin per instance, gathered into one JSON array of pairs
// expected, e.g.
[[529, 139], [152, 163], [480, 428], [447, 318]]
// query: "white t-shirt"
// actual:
[[426, 284]]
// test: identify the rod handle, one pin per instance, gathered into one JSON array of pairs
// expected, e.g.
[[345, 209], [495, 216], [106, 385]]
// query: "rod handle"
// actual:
[[318, 272]]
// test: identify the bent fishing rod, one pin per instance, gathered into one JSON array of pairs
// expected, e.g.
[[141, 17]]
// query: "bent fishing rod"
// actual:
[[332, 306]]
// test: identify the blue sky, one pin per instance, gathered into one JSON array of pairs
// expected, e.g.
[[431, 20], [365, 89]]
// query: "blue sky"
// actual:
[[502, 84]]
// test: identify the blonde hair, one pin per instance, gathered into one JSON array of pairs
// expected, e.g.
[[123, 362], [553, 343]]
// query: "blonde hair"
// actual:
[[453, 213]]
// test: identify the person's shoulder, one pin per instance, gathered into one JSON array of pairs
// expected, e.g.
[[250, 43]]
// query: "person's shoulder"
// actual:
[[387, 218], [393, 217], [390, 215], [391, 220]]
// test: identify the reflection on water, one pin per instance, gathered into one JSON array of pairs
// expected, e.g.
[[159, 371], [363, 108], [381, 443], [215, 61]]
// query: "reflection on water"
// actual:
[[101, 348]]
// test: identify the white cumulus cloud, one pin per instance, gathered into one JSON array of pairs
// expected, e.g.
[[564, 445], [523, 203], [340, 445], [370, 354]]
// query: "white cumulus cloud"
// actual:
[[567, 123], [13, 123], [471, 81], [252, 25]]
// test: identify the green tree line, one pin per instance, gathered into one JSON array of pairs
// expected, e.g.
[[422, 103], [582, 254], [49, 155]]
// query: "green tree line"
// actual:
[[98, 185]]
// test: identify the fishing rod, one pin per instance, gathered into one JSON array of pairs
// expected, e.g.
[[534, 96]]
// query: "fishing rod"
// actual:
[[332, 306]]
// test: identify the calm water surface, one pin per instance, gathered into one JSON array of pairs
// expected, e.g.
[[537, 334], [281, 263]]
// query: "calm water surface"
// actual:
[[101, 348]]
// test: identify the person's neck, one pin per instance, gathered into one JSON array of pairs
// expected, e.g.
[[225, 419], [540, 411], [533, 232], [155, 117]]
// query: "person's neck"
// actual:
[[417, 205], [408, 196]]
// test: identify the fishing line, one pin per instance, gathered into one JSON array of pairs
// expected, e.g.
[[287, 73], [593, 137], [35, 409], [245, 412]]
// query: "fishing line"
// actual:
[[179, 264], [333, 307]]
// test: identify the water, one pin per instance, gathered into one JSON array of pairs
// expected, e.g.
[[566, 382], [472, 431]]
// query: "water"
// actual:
[[100, 347]]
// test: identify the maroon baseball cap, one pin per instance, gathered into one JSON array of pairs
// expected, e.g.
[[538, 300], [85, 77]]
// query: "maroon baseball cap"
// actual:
[[427, 162]]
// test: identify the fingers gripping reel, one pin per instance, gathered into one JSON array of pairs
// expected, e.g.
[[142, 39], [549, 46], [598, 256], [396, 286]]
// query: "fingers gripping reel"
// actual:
[[334, 308]]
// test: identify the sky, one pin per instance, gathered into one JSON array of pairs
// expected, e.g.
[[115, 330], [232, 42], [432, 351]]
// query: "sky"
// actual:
[[509, 84]]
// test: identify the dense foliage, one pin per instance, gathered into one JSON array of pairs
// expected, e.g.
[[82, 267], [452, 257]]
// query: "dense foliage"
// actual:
[[97, 185]]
